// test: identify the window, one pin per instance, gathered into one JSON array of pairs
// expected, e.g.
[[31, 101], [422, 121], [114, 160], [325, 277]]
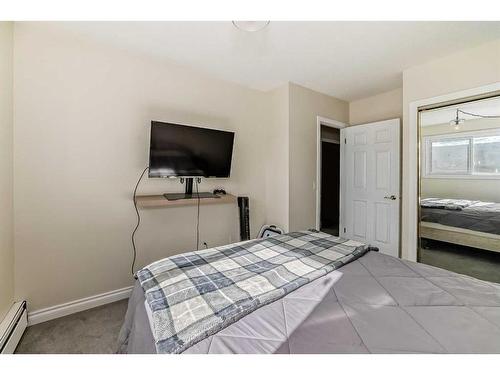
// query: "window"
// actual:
[[471, 155], [486, 155], [449, 156]]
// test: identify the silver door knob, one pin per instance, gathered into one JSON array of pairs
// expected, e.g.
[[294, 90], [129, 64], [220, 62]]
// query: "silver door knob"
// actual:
[[391, 197]]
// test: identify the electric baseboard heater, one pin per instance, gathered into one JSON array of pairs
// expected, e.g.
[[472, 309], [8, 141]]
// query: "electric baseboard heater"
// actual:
[[12, 327]]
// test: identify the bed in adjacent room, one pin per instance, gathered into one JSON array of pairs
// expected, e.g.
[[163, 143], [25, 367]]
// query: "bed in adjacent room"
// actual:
[[309, 293], [470, 223]]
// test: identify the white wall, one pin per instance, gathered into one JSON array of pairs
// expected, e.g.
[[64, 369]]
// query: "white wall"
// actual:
[[466, 69], [305, 106], [6, 211], [384, 106], [81, 133], [487, 190]]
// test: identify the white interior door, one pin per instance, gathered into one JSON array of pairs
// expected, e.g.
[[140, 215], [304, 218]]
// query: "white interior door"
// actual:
[[371, 184]]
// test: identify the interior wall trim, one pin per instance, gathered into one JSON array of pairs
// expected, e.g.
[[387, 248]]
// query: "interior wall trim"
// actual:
[[58, 311]]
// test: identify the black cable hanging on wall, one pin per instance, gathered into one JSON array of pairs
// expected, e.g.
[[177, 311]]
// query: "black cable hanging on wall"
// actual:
[[197, 181], [134, 248], [457, 121], [477, 115], [138, 221]]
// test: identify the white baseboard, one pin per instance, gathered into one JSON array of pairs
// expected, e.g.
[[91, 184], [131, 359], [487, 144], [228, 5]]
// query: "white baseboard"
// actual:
[[54, 312], [12, 327]]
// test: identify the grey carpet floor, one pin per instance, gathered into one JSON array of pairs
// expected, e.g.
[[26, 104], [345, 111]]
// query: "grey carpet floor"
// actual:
[[92, 331], [481, 264]]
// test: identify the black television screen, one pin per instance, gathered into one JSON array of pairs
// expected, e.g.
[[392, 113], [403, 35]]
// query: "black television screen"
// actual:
[[188, 151]]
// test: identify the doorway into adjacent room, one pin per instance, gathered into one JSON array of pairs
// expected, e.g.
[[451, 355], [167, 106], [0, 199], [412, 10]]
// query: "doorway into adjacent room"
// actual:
[[330, 180]]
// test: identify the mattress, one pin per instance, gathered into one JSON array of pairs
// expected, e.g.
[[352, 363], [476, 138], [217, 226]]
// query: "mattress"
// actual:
[[376, 304], [479, 216]]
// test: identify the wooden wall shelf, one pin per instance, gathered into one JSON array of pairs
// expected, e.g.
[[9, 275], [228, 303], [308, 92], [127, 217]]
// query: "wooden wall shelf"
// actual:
[[151, 201]]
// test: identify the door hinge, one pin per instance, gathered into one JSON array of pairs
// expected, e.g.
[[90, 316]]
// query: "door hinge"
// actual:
[[344, 230], [345, 141]]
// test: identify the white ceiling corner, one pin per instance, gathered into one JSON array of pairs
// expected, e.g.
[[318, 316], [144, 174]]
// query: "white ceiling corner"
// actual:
[[348, 60]]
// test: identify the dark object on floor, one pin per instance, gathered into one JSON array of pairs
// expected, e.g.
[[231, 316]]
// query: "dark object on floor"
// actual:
[[481, 264], [92, 331], [269, 231]]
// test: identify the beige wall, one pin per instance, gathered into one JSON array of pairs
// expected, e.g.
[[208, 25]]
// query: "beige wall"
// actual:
[[305, 106], [6, 209], [487, 190], [82, 113], [483, 190], [81, 134], [277, 165], [384, 106], [291, 142], [463, 70], [81, 119]]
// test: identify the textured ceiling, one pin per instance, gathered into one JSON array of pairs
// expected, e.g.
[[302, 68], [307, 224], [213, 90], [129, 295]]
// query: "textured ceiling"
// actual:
[[348, 60]]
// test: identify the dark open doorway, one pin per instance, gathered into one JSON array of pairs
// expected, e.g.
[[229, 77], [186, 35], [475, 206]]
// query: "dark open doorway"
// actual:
[[330, 180]]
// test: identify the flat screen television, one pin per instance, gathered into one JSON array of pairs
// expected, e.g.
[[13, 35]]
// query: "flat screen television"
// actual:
[[188, 151]]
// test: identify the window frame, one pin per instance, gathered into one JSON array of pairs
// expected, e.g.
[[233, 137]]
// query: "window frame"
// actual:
[[470, 174]]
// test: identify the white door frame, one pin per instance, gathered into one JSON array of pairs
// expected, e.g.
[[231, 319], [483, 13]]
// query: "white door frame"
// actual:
[[332, 124], [411, 198]]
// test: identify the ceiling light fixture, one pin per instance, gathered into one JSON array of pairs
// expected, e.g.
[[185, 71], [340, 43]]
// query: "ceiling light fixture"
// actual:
[[456, 122], [251, 26]]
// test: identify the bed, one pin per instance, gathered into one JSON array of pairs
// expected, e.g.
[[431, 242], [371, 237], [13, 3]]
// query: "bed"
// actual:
[[372, 304], [470, 223]]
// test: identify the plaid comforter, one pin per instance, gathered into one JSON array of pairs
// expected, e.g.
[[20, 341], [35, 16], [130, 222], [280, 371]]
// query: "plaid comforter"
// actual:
[[197, 294], [446, 204]]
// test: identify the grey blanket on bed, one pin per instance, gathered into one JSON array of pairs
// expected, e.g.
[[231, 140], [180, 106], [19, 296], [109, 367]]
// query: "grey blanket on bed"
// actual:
[[375, 304], [478, 216], [197, 294], [446, 204]]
